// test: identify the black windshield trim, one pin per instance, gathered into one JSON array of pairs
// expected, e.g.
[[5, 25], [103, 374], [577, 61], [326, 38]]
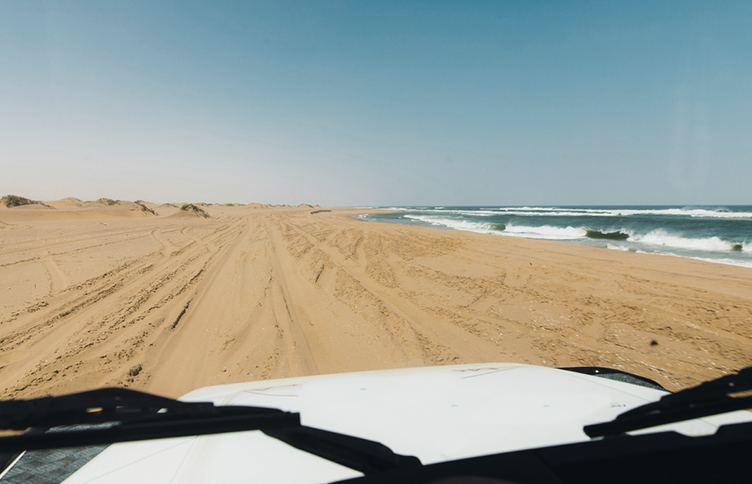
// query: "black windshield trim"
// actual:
[[617, 375], [713, 397]]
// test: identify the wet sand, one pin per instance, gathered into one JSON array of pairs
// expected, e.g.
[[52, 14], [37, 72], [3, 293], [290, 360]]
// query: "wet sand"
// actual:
[[96, 295]]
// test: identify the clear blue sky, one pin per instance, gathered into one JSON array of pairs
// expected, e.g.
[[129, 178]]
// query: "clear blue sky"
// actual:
[[378, 102]]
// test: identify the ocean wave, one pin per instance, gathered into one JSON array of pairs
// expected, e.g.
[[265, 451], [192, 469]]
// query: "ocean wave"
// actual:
[[664, 239], [664, 234], [623, 248], [532, 211], [545, 232], [701, 213], [731, 262], [723, 213], [656, 238], [457, 224], [455, 211], [554, 213], [599, 234]]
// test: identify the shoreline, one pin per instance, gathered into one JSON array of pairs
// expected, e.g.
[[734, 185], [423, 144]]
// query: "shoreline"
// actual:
[[670, 234], [168, 304]]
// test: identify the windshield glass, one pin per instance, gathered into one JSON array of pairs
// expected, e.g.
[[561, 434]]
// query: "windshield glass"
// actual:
[[198, 193]]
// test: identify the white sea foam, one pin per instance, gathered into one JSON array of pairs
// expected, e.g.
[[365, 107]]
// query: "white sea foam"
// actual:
[[471, 213], [545, 232], [730, 262], [619, 212], [664, 239], [454, 224], [698, 213], [726, 247], [579, 212], [552, 213]]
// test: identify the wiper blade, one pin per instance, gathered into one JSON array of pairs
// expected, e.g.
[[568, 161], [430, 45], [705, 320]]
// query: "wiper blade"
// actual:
[[134, 416], [709, 398], [131, 415], [363, 455]]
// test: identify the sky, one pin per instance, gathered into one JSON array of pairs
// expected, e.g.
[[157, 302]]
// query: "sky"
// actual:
[[378, 103]]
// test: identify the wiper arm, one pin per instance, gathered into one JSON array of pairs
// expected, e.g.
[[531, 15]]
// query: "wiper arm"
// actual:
[[708, 398], [363, 455], [133, 416]]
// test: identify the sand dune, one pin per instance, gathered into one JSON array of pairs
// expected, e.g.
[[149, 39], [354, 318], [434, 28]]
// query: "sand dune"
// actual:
[[72, 208], [172, 304], [67, 202], [190, 210]]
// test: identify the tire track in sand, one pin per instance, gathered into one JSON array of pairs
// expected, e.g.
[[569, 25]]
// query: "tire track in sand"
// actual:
[[58, 279], [439, 341], [283, 302], [89, 331]]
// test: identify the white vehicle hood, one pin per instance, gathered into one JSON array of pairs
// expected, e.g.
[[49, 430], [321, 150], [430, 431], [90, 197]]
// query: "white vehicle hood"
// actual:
[[436, 414]]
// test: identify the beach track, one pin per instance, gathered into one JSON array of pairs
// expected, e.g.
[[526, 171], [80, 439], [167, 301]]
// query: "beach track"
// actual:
[[170, 304]]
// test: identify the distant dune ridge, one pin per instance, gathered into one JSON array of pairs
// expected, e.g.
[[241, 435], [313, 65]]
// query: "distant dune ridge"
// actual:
[[101, 294], [73, 208], [14, 201], [71, 201], [191, 210]]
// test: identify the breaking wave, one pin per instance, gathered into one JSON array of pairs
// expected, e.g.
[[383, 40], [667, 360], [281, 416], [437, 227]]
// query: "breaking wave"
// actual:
[[710, 244], [546, 232], [722, 213], [456, 224], [655, 238], [723, 234], [597, 234]]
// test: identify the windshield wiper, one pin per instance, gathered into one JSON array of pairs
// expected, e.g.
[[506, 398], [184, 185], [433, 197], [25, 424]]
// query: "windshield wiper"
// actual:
[[356, 453], [132, 416], [113, 415], [709, 398]]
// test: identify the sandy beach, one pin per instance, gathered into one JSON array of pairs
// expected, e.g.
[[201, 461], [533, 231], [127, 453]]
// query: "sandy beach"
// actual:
[[154, 298]]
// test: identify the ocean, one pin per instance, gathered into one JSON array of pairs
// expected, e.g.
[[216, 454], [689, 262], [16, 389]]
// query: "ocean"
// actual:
[[710, 233]]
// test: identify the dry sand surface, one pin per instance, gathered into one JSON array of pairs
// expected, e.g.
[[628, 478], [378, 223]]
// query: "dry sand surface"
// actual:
[[95, 294]]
